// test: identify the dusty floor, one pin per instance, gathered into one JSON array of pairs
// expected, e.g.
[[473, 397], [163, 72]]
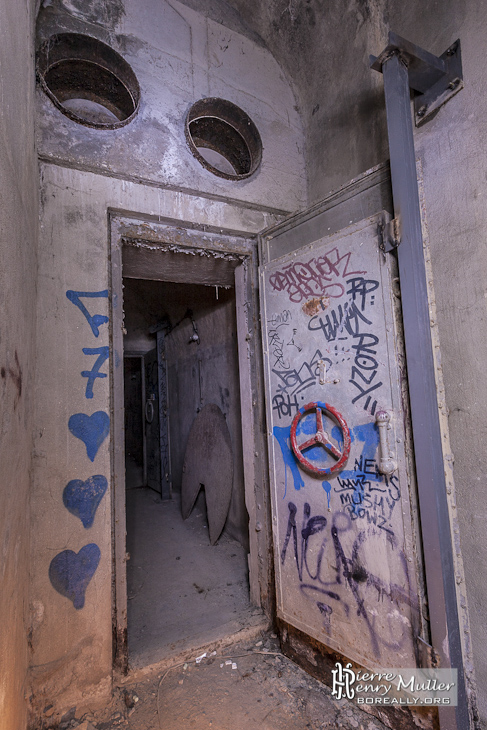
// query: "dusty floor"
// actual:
[[183, 594], [243, 687], [182, 591]]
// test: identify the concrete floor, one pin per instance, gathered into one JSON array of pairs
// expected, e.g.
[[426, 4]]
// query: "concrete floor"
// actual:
[[182, 592], [245, 686], [188, 598]]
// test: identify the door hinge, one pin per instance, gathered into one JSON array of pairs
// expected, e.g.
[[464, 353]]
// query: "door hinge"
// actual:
[[428, 656], [389, 238]]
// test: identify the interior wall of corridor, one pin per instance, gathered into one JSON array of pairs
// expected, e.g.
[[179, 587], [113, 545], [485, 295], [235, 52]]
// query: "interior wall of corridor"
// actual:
[[145, 172], [18, 252], [324, 50], [325, 56], [451, 149]]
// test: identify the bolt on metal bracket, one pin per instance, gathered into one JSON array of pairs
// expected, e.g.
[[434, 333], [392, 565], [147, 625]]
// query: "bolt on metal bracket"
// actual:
[[434, 79]]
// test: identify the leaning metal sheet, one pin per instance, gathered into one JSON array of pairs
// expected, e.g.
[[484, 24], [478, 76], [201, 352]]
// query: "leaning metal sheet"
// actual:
[[343, 544]]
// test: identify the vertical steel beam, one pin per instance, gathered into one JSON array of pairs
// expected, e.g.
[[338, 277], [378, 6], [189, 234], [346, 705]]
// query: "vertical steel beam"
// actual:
[[435, 522]]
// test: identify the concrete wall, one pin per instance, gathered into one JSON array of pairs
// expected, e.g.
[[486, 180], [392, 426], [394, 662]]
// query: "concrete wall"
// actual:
[[179, 56], [453, 154], [326, 57], [72, 640], [145, 170], [18, 252]]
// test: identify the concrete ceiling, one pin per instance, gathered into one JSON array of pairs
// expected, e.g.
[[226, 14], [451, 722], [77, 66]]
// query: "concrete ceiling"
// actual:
[[323, 47]]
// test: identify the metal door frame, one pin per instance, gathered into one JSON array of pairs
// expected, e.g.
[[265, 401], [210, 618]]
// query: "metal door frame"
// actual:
[[176, 236]]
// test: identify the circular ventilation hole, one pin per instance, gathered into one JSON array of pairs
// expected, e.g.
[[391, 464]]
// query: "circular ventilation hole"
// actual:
[[88, 81], [223, 138]]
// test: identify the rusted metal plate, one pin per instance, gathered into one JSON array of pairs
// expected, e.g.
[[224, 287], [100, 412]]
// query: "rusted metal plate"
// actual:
[[208, 462], [343, 537]]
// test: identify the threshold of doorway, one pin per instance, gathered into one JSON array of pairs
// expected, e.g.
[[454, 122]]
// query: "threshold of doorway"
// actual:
[[250, 625]]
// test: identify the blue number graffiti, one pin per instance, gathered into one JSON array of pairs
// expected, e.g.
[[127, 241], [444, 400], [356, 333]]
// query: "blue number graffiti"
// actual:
[[94, 320], [103, 354]]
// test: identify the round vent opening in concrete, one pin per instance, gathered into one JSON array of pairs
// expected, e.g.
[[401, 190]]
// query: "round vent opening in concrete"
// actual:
[[223, 138], [88, 81]]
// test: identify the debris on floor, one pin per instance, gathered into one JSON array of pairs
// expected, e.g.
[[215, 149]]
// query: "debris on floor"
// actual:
[[248, 686]]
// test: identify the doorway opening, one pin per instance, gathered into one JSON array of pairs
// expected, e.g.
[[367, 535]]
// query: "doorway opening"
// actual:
[[180, 362]]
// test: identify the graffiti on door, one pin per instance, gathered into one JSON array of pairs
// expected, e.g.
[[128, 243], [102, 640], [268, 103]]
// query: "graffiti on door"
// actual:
[[343, 534]]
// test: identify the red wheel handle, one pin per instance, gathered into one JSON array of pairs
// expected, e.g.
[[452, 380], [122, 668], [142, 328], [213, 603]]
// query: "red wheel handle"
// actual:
[[321, 437]]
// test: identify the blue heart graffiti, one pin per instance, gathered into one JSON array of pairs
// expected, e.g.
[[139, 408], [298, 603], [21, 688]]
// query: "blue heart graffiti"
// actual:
[[82, 498], [91, 430], [70, 572]]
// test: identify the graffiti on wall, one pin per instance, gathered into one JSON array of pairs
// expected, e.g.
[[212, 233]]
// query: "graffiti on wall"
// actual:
[[82, 498], [91, 430], [364, 493], [349, 323], [70, 572]]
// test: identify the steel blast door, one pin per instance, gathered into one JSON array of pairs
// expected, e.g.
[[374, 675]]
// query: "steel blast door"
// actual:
[[343, 537]]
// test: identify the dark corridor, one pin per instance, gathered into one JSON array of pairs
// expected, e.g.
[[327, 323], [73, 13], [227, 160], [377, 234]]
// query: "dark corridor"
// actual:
[[182, 591]]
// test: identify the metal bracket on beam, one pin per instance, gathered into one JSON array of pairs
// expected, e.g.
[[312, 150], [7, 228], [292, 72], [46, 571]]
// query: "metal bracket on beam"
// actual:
[[434, 79]]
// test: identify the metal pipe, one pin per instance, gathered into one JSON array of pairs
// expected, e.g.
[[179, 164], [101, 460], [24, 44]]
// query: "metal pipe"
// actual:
[[435, 522]]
